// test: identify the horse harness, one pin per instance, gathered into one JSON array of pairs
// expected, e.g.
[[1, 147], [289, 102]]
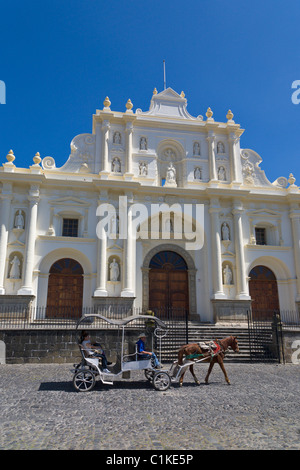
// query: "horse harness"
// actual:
[[213, 348]]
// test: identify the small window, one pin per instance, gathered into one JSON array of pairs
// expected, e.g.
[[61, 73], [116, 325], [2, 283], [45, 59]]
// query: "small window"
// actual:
[[70, 228], [260, 236]]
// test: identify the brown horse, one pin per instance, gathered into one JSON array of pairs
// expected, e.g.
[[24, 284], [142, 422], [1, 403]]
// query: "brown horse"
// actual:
[[193, 352]]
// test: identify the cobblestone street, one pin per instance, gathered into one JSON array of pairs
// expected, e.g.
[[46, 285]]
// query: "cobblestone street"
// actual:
[[40, 409]]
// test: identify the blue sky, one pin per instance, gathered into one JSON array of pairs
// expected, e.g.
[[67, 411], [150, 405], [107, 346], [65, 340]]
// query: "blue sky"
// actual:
[[61, 58]]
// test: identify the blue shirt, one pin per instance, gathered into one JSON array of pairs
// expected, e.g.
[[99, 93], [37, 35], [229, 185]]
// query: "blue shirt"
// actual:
[[140, 346]]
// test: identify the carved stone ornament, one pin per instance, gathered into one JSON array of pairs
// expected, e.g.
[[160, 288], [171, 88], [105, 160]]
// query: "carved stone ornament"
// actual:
[[116, 165], [114, 271], [15, 270], [227, 275], [48, 163], [143, 169], [143, 143], [197, 174], [19, 220]]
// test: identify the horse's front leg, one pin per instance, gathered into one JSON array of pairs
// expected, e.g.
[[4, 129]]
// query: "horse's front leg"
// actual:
[[221, 363], [209, 370], [193, 374]]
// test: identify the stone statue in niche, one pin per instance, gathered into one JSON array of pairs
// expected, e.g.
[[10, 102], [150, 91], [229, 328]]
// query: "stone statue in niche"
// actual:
[[114, 270], [116, 165], [196, 148], [171, 174], [227, 273], [221, 174], [117, 138], [197, 173], [220, 147], [19, 220], [143, 143], [143, 169], [225, 232], [114, 225], [15, 272]]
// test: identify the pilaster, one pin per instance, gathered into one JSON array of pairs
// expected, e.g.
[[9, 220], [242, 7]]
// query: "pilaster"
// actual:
[[242, 289], [128, 133], [101, 290], [33, 198], [216, 250], [211, 139], [6, 197], [105, 140], [129, 258]]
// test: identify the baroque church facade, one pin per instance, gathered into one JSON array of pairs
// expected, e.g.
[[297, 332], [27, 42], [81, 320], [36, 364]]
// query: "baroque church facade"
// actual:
[[65, 241]]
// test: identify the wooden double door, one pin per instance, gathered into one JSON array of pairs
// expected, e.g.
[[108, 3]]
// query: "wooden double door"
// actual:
[[264, 292], [168, 283], [65, 289]]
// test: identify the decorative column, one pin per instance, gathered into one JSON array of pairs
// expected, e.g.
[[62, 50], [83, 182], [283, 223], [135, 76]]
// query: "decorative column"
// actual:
[[101, 290], [105, 138], [98, 147], [242, 289], [128, 133], [233, 141], [295, 218], [216, 250], [33, 198], [129, 258], [6, 197], [211, 139]]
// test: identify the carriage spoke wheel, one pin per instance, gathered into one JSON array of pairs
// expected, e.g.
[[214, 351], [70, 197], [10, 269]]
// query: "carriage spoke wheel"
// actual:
[[149, 374], [161, 381], [84, 380]]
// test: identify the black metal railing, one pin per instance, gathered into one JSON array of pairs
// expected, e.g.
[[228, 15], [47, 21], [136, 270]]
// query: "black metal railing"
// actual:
[[266, 329], [28, 317], [290, 319]]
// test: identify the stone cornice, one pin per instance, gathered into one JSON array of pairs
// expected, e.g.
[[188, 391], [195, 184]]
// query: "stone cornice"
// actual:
[[91, 181], [66, 240], [166, 122]]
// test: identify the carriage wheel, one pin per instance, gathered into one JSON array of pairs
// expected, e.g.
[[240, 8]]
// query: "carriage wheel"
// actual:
[[149, 374], [81, 366], [84, 380], [161, 381]]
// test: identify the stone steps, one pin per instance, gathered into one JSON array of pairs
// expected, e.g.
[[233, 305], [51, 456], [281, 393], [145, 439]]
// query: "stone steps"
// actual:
[[199, 332]]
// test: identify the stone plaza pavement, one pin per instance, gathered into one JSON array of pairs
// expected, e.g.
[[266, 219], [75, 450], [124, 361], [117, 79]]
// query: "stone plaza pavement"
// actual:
[[40, 410]]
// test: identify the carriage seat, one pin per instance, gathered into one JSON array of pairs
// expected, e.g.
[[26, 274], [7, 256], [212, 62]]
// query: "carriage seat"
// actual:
[[85, 355], [136, 356]]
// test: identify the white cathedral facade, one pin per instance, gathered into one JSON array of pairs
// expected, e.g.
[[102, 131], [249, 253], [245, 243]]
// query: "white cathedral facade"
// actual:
[[57, 252]]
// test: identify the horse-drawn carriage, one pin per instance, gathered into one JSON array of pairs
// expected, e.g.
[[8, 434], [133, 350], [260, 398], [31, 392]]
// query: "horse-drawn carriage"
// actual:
[[90, 368]]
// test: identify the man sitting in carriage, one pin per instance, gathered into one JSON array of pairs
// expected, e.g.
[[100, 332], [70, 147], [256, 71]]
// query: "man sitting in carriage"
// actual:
[[142, 354]]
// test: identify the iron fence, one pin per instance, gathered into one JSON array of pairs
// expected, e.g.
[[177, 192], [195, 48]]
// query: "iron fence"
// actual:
[[29, 317], [265, 330], [290, 319]]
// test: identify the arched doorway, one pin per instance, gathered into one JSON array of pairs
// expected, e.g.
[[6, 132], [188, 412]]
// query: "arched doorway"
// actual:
[[263, 291], [168, 283], [65, 289]]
